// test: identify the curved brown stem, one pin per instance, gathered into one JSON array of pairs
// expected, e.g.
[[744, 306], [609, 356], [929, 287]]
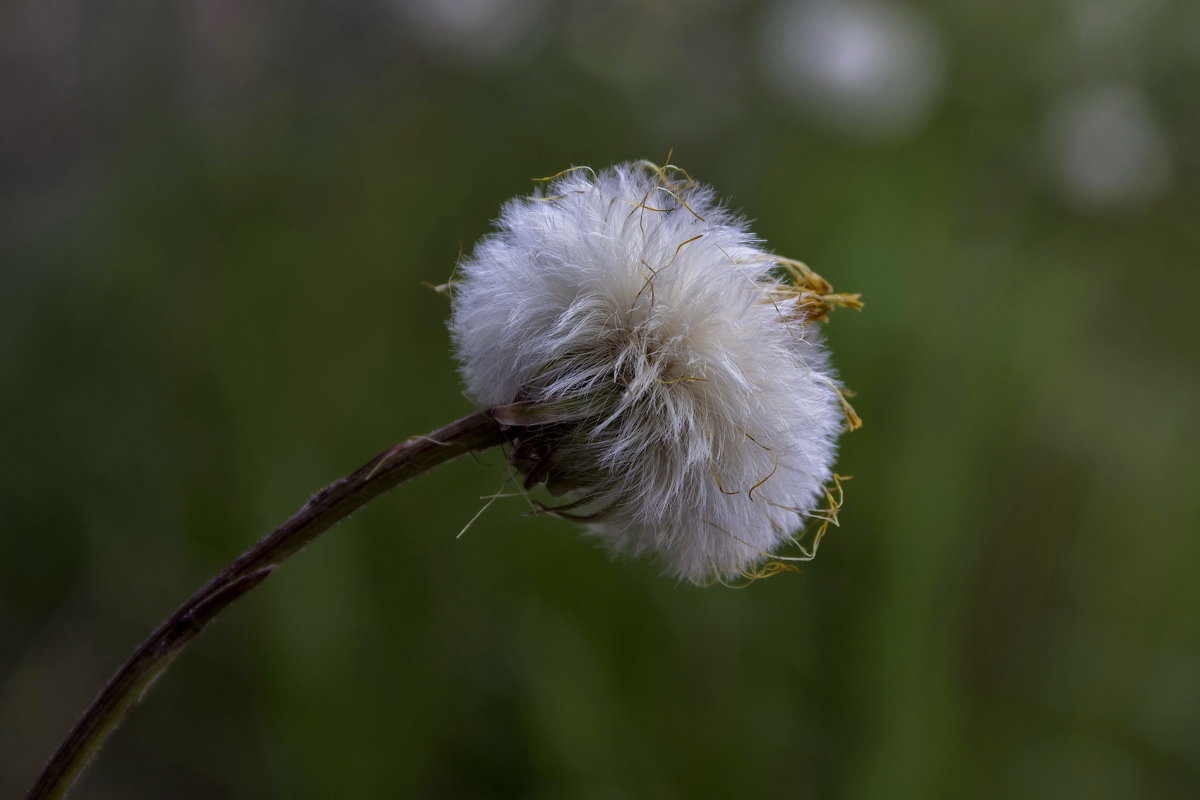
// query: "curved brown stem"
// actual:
[[326, 508]]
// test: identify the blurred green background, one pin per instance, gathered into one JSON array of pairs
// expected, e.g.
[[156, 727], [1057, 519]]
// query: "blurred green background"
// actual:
[[217, 219]]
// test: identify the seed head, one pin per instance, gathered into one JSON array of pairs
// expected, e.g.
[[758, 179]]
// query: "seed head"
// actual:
[[655, 365]]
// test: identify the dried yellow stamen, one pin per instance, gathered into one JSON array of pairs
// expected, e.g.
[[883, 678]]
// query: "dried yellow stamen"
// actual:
[[814, 295]]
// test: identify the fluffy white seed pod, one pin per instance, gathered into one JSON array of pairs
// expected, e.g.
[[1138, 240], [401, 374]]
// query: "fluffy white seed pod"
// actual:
[[635, 335]]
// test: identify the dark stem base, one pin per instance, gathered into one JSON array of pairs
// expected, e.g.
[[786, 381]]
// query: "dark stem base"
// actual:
[[328, 507]]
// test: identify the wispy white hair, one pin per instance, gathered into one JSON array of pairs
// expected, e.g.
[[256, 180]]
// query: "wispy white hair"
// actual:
[[633, 333]]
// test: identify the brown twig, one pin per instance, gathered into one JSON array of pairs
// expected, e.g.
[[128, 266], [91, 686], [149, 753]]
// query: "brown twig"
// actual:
[[326, 508]]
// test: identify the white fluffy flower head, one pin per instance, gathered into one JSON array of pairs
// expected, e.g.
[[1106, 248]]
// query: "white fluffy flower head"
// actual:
[[656, 365]]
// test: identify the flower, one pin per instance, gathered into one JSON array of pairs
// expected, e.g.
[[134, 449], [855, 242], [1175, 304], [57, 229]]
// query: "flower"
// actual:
[[655, 364]]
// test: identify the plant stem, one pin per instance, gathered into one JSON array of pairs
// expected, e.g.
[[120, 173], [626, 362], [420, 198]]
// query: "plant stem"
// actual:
[[326, 508]]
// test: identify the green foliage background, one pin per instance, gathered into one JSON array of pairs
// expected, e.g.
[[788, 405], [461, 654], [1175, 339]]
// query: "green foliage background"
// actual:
[[215, 234]]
